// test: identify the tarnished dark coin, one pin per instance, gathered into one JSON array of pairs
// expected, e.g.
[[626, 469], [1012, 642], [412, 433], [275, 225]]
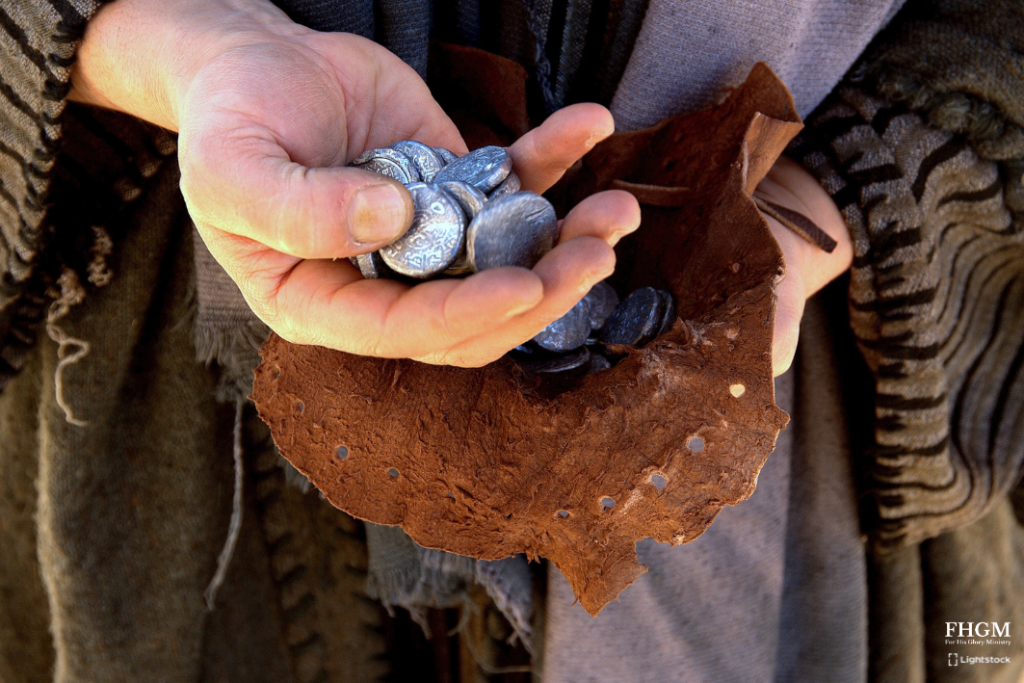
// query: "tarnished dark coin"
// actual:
[[527, 349], [483, 168], [668, 317], [509, 185], [598, 362], [636, 320], [447, 156], [568, 332], [424, 158], [560, 363], [371, 265], [388, 162], [514, 230], [436, 236], [602, 300], [470, 199]]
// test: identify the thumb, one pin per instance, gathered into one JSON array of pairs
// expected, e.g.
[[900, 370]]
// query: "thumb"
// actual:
[[251, 188], [788, 313]]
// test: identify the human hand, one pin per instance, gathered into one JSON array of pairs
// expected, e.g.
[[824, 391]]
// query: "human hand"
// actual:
[[269, 113], [808, 268]]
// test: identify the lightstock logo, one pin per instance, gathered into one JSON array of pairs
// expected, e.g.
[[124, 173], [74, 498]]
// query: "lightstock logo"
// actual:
[[956, 660], [976, 633]]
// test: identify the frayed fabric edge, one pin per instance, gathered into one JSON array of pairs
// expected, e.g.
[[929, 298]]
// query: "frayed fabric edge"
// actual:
[[404, 574]]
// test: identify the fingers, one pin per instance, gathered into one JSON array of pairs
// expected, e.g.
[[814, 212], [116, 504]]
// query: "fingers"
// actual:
[[466, 322], [791, 295], [788, 312], [608, 216], [325, 303], [582, 258], [567, 273], [544, 154]]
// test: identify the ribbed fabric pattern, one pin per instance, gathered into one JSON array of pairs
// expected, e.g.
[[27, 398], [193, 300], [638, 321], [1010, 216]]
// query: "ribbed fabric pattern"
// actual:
[[37, 43], [929, 182]]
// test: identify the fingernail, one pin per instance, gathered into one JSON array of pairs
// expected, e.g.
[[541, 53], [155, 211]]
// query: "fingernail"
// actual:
[[377, 213]]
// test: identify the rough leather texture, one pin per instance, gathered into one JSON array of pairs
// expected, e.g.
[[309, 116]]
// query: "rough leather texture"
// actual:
[[480, 462]]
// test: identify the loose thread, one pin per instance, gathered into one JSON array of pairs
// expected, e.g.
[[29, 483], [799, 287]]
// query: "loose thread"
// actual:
[[71, 294], [236, 516], [495, 670], [102, 246], [64, 341]]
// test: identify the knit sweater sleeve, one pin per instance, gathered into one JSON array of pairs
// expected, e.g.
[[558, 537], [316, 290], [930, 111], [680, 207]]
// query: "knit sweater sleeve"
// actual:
[[922, 149]]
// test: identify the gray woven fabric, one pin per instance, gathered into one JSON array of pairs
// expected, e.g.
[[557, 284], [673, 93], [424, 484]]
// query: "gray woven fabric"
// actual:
[[405, 574], [225, 329], [405, 30], [351, 16], [689, 53]]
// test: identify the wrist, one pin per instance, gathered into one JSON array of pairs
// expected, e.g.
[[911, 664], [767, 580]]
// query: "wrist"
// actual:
[[139, 56]]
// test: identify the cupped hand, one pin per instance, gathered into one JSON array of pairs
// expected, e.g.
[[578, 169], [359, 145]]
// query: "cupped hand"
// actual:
[[269, 114]]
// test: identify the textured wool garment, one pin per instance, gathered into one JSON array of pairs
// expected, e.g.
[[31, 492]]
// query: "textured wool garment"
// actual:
[[689, 53], [937, 306], [925, 156]]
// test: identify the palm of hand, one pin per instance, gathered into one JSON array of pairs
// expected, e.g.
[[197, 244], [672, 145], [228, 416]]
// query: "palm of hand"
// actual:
[[264, 178]]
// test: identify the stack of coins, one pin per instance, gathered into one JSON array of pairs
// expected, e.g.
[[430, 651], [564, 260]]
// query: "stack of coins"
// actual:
[[470, 215], [577, 341]]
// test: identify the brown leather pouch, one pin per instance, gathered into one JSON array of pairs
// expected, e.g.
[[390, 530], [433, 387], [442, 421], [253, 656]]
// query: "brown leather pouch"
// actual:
[[494, 461]]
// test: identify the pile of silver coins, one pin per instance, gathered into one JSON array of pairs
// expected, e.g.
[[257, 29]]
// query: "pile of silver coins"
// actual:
[[470, 215], [577, 342]]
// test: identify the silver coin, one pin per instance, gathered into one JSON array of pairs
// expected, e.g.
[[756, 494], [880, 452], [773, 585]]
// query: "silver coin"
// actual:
[[470, 199], [636, 320], [388, 162], [447, 156], [514, 230], [483, 168], [509, 185], [423, 158], [668, 317], [436, 236], [460, 266], [568, 332], [371, 265], [560, 363], [602, 300]]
